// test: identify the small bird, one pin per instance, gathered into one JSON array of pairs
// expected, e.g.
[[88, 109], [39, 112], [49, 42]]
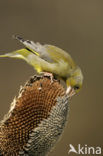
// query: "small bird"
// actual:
[[50, 59]]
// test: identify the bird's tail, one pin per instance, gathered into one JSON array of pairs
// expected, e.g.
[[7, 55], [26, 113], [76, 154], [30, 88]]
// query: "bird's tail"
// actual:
[[22, 53], [32, 59]]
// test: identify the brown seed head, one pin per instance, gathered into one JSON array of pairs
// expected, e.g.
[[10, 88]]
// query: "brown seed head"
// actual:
[[35, 120]]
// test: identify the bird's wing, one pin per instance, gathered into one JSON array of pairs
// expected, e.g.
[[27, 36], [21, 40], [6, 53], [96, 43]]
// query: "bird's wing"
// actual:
[[43, 57], [57, 55], [48, 52], [35, 48]]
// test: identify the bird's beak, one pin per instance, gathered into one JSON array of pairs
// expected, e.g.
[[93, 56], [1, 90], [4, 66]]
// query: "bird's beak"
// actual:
[[70, 91]]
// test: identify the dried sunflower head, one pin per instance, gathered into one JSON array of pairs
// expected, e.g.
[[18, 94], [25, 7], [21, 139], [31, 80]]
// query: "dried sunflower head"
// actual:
[[35, 120]]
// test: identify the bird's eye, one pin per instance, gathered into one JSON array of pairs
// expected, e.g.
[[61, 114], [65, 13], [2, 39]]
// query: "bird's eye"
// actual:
[[76, 87]]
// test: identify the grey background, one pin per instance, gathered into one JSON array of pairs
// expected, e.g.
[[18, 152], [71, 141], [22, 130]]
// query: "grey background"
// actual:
[[77, 27]]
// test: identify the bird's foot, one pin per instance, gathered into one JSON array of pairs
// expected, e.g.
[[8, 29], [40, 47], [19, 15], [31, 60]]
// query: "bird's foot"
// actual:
[[70, 91], [47, 74]]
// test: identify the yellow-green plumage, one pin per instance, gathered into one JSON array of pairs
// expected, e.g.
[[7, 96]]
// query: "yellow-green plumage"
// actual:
[[48, 58]]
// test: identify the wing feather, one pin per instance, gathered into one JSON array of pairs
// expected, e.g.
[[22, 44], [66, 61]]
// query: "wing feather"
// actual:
[[46, 58], [48, 52]]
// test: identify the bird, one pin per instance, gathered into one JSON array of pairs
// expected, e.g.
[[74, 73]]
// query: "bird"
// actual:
[[50, 60]]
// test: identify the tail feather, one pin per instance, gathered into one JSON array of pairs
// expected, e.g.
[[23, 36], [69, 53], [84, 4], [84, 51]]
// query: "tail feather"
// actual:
[[22, 53], [36, 62]]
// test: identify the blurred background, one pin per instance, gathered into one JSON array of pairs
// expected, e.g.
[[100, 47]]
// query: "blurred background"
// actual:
[[75, 26]]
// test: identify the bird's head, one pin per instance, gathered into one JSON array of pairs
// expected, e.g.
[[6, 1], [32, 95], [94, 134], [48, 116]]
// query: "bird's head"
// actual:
[[75, 80]]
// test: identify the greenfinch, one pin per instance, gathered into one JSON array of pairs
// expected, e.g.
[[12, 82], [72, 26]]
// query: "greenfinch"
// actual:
[[50, 59]]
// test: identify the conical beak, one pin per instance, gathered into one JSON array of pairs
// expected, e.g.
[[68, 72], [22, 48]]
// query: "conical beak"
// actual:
[[70, 91]]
